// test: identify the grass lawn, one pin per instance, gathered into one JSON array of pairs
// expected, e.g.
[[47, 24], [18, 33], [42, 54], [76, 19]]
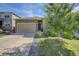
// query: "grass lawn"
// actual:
[[54, 47], [3, 33], [73, 45]]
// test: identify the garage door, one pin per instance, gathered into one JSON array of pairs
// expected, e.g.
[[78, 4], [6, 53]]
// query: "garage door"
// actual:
[[26, 27]]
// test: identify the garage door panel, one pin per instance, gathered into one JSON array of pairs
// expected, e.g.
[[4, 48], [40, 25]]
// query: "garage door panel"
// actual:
[[26, 27]]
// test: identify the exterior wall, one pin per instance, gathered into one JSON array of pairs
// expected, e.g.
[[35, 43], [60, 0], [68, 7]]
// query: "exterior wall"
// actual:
[[43, 26], [13, 20], [6, 20], [2, 15]]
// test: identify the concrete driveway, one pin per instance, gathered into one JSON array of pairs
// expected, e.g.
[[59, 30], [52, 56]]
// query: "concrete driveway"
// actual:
[[15, 40]]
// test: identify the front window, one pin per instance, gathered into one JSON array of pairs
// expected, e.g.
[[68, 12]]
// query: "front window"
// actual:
[[6, 16]]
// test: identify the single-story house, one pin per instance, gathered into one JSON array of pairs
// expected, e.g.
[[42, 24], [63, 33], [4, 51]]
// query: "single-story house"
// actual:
[[11, 22]]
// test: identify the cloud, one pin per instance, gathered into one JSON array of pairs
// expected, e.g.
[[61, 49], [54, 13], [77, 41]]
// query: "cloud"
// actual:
[[76, 9], [24, 10], [28, 13]]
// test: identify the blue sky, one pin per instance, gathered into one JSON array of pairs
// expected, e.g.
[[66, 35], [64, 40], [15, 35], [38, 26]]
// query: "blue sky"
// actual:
[[25, 9]]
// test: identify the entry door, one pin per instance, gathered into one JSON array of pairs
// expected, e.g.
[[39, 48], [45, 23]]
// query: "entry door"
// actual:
[[0, 24], [26, 27]]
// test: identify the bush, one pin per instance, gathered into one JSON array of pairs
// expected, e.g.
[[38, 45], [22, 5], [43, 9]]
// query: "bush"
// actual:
[[1, 31], [38, 35], [4, 32], [76, 37], [50, 34], [53, 47], [68, 36], [54, 34]]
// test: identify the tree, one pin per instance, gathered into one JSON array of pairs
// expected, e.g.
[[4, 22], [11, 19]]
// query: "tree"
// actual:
[[76, 18], [57, 20]]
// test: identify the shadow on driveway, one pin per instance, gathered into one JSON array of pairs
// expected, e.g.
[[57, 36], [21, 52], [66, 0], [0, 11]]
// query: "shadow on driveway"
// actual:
[[25, 34], [17, 51]]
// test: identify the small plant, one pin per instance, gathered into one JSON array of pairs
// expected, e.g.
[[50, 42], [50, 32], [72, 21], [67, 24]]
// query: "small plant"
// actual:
[[4, 32], [76, 37], [38, 35], [68, 36], [1, 31]]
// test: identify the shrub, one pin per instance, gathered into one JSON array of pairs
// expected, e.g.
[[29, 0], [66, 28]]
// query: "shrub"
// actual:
[[68, 36], [1, 31], [38, 35], [4, 32], [54, 34], [53, 47], [76, 37], [50, 34]]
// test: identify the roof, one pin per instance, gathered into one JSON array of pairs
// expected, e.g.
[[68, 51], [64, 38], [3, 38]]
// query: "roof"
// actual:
[[9, 13], [31, 18]]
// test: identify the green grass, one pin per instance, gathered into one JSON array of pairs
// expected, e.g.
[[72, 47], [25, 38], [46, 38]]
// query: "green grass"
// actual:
[[3, 33], [53, 47], [73, 45]]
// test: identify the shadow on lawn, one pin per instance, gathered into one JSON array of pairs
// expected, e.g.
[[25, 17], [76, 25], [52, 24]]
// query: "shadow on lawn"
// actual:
[[52, 47]]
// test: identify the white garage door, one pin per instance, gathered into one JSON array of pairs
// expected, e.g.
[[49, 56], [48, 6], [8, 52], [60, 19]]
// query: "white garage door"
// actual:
[[26, 27]]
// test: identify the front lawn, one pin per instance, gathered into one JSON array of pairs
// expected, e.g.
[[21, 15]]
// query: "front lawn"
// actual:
[[54, 47], [2, 33]]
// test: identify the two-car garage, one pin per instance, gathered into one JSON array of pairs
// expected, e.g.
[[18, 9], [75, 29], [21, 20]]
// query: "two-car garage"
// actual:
[[26, 27]]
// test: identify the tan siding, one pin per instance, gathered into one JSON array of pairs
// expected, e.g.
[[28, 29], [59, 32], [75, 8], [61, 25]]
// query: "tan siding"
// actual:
[[13, 20]]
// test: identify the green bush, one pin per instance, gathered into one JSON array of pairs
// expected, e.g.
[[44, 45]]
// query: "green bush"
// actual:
[[47, 34], [50, 34], [1, 31], [37, 35], [53, 47], [76, 37], [68, 36], [4, 32], [54, 34]]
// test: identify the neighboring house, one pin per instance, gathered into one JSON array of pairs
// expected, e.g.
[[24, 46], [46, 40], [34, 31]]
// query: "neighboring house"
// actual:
[[11, 22], [7, 20]]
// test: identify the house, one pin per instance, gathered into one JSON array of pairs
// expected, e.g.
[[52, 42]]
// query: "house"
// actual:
[[11, 22], [7, 20]]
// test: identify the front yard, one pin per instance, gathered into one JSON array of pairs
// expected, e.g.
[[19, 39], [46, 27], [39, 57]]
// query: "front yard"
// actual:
[[3, 33], [54, 47]]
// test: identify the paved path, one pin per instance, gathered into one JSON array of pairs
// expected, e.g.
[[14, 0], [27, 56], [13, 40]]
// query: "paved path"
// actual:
[[34, 48], [16, 44]]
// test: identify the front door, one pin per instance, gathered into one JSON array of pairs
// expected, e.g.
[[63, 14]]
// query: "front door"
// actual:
[[40, 26], [0, 24]]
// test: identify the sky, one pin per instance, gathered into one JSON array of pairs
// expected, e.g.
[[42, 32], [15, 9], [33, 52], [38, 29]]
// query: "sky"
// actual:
[[25, 9]]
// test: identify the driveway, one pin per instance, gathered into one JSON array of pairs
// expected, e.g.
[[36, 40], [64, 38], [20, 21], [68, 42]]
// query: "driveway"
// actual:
[[16, 40]]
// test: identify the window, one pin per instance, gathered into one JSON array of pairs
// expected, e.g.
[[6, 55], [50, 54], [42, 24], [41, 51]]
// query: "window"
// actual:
[[6, 16]]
